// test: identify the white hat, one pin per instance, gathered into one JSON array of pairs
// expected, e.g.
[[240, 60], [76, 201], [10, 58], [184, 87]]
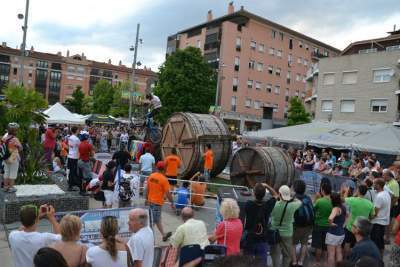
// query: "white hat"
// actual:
[[284, 190]]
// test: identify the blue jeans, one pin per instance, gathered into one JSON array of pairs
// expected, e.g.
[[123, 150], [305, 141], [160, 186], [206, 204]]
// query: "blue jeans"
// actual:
[[207, 175], [259, 251]]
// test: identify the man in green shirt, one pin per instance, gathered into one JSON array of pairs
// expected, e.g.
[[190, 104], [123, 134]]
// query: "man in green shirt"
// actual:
[[345, 164], [322, 208], [357, 206], [282, 219]]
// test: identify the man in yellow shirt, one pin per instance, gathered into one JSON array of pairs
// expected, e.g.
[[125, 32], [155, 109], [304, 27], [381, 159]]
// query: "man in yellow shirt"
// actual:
[[172, 165]]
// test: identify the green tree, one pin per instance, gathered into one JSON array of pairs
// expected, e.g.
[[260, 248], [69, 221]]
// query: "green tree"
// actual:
[[120, 105], [186, 83], [297, 113], [87, 106], [75, 103], [103, 95]]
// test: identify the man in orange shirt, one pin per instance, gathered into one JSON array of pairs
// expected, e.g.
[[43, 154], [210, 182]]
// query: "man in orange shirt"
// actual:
[[172, 164], [208, 162], [157, 189]]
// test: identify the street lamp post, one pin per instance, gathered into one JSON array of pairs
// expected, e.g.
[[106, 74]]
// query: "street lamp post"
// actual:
[[23, 45], [219, 70], [135, 48]]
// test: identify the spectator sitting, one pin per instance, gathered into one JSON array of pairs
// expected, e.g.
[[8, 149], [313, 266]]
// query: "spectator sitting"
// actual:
[[364, 246], [191, 232], [141, 243], [229, 231], [26, 241], [182, 197], [108, 183], [72, 252], [49, 257], [111, 251]]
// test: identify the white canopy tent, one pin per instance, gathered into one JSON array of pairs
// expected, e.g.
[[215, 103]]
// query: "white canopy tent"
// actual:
[[57, 113], [376, 138]]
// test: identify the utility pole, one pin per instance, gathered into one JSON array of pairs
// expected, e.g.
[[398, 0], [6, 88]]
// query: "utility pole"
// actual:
[[133, 74], [23, 46]]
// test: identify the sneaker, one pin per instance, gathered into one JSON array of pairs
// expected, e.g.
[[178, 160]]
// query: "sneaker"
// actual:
[[167, 236]]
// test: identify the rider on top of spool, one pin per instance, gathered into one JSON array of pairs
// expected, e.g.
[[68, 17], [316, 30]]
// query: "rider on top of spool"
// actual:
[[154, 104]]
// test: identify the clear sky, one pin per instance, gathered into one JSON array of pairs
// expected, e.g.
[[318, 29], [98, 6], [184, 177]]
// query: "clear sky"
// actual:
[[104, 29]]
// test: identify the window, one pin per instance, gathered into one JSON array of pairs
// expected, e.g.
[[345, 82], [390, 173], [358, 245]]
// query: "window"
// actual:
[[278, 72], [238, 43], [249, 84], [305, 62], [237, 63], [270, 69], [277, 89], [382, 75], [288, 77], [273, 34], [198, 43], [379, 105], [258, 85], [298, 77], [15, 71], [347, 106], [349, 77], [261, 48], [260, 66], [42, 64], [289, 58], [253, 45], [300, 44], [248, 103], [281, 36], [306, 46], [235, 84], [269, 88], [276, 107], [367, 51], [279, 53], [299, 60], [233, 103], [80, 70], [329, 78], [287, 92], [252, 64], [297, 93], [70, 69], [326, 105], [271, 51], [257, 104], [290, 44]]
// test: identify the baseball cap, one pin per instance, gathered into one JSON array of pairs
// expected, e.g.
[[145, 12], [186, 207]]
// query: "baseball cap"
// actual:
[[284, 190], [160, 165]]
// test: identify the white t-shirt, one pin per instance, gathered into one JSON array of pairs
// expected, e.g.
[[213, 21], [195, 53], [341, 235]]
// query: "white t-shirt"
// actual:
[[24, 245], [73, 147], [155, 102], [99, 257], [147, 161], [141, 245], [124, 137], [382, 202]]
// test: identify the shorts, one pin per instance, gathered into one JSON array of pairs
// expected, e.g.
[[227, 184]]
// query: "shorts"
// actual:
[[155, 213], [85, 168], [11, 170], [319, 237], [108, 195], [172, 182], [301, 234], [349, 238], [334, 240], [377, 235]]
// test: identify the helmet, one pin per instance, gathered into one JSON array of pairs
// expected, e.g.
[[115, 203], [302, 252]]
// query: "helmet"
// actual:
[[13, 125]]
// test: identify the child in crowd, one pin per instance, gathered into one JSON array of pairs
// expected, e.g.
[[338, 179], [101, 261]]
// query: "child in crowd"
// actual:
[[182, 197]]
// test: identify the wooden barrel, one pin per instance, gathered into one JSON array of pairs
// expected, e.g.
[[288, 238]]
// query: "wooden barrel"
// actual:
[[270, 165], [189, 133]]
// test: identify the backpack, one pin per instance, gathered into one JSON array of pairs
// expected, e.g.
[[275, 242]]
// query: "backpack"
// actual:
[[125, 191], [260, 229], [4, 151], [304, 216]]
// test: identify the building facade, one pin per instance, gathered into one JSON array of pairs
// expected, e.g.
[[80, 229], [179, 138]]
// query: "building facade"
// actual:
[[56, 76], [260, 65], [361, 85]]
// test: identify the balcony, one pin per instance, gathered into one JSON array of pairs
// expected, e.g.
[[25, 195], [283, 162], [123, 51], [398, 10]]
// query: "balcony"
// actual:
[[317, 55], [311, 72]]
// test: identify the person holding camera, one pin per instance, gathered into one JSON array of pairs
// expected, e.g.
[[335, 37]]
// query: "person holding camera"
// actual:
[[26, 241]]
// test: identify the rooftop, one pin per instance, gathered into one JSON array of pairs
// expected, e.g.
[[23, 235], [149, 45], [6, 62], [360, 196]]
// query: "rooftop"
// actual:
[[393, 36]]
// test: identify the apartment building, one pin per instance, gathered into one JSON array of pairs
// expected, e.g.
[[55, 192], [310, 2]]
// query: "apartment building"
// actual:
[[56, 76], [260, 64], [362, 84]]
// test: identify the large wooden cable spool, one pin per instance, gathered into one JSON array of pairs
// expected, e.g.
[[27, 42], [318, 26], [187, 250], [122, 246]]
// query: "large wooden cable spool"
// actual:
[[189, 133], [272, 165]]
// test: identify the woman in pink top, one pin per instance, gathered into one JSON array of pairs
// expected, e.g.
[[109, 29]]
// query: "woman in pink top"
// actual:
[[49, 143], [230, 237]]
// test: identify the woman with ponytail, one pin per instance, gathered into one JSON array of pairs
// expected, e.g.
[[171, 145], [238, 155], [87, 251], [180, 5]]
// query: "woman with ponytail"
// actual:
[[111, 252]]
